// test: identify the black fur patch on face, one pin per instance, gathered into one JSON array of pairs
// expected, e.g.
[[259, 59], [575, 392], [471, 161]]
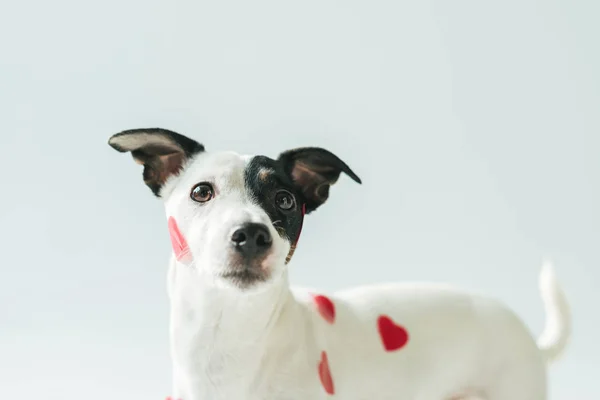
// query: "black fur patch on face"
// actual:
[[266, 180]]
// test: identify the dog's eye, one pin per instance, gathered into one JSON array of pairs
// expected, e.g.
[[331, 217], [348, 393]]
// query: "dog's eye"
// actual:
[[202, 193], [284, 200]]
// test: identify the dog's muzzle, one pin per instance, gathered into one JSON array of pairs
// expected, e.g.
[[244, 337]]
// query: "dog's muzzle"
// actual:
[[252, 240]]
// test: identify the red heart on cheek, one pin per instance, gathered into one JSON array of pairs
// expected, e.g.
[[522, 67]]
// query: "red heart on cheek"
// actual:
[[393, 336], [325, 374], [180, 246]]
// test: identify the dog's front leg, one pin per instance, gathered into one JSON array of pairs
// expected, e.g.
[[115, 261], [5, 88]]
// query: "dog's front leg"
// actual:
[[180, 389]]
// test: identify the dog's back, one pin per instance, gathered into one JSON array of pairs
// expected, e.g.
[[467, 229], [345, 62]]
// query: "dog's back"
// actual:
[[466, 344]]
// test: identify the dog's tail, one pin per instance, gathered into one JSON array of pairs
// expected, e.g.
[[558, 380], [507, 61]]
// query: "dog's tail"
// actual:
[[557, 331]]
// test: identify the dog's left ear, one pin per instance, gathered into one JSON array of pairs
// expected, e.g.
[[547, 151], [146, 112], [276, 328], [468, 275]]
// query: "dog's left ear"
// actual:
[[162, 152], [313, 170]]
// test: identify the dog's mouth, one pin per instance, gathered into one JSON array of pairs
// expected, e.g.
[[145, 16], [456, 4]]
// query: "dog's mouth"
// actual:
[[246, 276]]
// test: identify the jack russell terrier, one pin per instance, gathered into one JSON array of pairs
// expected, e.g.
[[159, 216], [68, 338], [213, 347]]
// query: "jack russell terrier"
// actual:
[[239, 332]]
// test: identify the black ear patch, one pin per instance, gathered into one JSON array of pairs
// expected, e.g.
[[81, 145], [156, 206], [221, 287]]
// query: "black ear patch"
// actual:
[[313, 170], [161, 152]]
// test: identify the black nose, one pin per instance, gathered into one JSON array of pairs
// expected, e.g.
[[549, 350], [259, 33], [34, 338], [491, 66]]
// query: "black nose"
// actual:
[[252, 239]]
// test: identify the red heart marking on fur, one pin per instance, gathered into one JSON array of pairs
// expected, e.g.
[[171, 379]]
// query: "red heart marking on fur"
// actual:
[[325, 374], [325, 307], [393, 336], [180, 246]]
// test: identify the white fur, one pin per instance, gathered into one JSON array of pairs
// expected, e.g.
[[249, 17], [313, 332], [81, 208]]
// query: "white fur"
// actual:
[[266, 342]]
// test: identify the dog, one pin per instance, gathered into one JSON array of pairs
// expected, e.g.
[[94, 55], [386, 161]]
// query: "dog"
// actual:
[[238, 331]]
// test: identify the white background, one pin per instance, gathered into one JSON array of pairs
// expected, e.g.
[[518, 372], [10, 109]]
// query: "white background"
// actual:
[[474, 126]]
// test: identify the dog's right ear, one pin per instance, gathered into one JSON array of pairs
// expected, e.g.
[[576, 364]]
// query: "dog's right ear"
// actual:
[[163, 153]]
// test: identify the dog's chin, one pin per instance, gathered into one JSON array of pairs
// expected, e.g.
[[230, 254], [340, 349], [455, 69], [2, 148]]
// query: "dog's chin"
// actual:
[[246, 274], [246, 278]]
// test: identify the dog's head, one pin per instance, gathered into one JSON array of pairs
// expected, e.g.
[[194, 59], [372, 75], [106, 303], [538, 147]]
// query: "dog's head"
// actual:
[[235, 219]]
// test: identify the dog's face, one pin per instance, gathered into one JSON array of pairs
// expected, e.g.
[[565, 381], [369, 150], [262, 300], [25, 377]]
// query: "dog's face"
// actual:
[[239, 216], [234, 219]]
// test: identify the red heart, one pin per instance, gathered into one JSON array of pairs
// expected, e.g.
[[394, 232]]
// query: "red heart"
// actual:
[[180, 246], [325, 374], [325, 307], [393, 336]]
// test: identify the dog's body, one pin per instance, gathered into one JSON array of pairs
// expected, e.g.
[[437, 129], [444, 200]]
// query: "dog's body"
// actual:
[[238, 331], [271, 345]]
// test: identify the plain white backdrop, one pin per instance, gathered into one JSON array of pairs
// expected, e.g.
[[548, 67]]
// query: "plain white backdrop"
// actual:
[[474, 126]]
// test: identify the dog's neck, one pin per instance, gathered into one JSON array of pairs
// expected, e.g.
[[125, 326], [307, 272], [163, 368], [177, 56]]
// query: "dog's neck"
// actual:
[[220, 334]]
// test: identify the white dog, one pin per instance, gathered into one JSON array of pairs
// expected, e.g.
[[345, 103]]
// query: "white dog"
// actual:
[[239, 332]]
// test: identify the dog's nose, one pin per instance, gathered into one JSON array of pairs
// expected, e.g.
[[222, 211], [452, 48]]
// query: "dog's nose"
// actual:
[[252, 239]]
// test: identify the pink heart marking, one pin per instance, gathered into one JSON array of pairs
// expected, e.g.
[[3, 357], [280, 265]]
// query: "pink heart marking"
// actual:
[[393, 336], [178, 242], [325, 374], [325, 307]]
